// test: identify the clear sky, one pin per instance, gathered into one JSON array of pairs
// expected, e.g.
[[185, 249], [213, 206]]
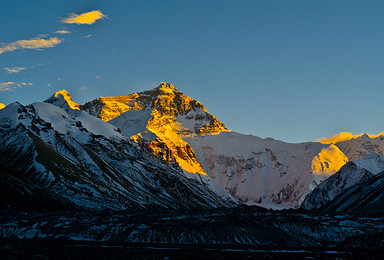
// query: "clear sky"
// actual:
[[291, 70]]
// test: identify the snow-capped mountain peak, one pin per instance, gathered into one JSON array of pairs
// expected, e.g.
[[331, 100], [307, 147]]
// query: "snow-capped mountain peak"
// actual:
[[164, 101], [167, 88], [63, 99], [159, 119]]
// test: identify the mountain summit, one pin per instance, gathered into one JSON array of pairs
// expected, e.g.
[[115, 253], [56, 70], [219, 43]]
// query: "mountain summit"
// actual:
[[165, 100], [159, 119], [62, 99]]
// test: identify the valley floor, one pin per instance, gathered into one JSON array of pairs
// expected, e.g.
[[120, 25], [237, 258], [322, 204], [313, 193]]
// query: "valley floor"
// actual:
[[221, 234]]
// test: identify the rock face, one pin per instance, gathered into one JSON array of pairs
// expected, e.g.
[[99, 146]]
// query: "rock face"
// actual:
[[180, 130], [82, 161]]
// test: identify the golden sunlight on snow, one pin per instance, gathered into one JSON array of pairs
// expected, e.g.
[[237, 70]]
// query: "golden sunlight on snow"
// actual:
[[67, 98], [328, 161], [343, 136], [115, 106], [2, 106], [170, 145], [168, 107]]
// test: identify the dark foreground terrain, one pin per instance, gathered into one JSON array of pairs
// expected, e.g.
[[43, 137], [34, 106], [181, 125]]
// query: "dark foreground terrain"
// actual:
[[216, 234]]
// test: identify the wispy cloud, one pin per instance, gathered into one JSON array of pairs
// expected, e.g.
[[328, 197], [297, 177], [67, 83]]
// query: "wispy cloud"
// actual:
[[89, 35], [83, 88], [62, 32], [11, 86], [85, 18], [14, 69], [34, 43], [343, 136]]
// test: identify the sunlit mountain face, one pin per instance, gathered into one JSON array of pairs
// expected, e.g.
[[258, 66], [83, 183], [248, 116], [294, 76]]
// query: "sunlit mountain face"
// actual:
[[160, 119], [2, 106], [62, 99]]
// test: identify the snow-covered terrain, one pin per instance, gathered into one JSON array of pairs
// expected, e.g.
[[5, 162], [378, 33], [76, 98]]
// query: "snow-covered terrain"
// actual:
[[86, 161], [362, 146], [249, 228], [266, 172], [179, 129], [350, 174], [121, 144]]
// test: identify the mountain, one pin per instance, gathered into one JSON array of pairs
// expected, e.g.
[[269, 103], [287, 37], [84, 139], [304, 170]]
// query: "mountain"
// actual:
[[63, 100], [159, 119], [266, 172], [356, 147], [352, 173], [2, 106], [364, 198], [362, 146], [82, 161], [181, 131], [164, 130]]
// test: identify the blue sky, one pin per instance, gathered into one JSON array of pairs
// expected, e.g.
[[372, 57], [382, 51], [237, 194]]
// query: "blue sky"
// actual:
[[291, 70]]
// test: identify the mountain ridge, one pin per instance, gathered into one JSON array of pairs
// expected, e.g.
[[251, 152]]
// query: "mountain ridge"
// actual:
[[180, 132], [173, 125], [84, 160]]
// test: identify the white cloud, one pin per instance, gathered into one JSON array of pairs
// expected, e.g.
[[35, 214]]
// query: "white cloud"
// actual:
[[14, 69], [11, 86], [83, 88], [84, 18], [97, 77], [34, 43], [62, 32]]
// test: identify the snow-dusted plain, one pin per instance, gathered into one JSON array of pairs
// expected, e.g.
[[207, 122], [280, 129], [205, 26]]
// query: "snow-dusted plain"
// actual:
[[231, 227]]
